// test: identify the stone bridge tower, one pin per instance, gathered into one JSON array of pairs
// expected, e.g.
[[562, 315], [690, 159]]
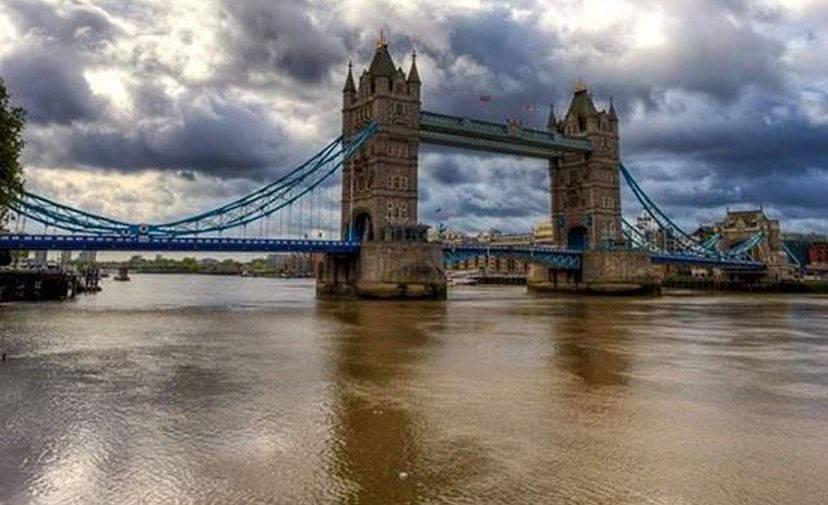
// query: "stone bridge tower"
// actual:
[[585, 188], [379, 192], [586, 208], [379, 187]]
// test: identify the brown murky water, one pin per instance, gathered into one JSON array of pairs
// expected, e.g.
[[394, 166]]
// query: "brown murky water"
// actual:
[[198, 390]]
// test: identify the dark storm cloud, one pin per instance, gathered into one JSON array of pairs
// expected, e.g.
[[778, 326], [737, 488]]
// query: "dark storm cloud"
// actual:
[[501, 43], [454, 170], [48, 82], [267, 36], [708, 52], [804, 191], [207, 133], [517, 61], [151, 100], [750, 140], [471, 190], [711, 116], [45, 71]]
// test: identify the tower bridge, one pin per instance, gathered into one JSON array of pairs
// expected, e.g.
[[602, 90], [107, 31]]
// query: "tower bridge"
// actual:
[[382, 249]]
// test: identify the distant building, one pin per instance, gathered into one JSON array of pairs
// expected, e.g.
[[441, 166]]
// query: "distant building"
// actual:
[[88, 257], [491, 265], [646, 225], [544, 233], [295, 264], [740, 225], [818, 257], [448, 236], [497, 238], [65, 259], [703, 233], [40, 259]]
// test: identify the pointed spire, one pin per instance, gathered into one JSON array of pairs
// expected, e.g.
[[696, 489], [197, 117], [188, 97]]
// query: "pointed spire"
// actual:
[[413, 74], [582, 105], [552, 122], [612, 114], [382, 64], [349, 81]]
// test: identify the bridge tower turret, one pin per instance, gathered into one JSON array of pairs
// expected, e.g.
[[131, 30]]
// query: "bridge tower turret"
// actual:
[[379, 187], [379, 192], [586, 194]]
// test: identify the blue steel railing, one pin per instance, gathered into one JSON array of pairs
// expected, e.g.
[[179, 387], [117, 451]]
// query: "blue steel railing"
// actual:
[[268, 200], [551, 257], [183, 244]]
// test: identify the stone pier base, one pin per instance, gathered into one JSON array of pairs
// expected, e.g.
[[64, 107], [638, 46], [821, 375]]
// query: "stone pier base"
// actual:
[[603, 272], [386, 270]]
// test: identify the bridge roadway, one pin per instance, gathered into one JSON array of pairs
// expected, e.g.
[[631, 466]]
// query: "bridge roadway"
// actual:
[[549, 256], [160, 244]]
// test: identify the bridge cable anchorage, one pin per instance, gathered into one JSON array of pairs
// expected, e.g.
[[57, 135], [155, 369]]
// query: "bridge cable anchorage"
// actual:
[[257, 205]]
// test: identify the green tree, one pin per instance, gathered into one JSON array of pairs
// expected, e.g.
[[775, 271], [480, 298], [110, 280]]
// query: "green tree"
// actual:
[[12, 122]]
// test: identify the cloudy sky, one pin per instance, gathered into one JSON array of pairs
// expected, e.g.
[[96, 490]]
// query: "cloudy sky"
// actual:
[[152, 109]]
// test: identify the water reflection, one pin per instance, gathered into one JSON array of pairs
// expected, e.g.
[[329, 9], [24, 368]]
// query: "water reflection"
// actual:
[[384, 450], [591, 343], [205, 390]]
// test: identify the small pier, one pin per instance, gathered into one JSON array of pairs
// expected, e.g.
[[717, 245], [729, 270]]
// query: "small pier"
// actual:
[[44, 285]]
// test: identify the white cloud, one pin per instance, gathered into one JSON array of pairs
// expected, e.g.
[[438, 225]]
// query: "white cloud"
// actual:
[[8, 34], [110, 84]]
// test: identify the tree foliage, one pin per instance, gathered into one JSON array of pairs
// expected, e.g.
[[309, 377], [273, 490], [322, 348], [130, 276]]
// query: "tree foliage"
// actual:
[[12, 123]]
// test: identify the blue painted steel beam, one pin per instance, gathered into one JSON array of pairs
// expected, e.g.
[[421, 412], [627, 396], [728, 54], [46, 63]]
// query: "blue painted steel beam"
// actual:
[[454, 131], [159, 244], [272, 198], [703, 261]]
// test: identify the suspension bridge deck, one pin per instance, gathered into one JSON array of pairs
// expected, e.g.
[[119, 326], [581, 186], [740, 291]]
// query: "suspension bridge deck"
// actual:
[[183, 244], [552, 257]]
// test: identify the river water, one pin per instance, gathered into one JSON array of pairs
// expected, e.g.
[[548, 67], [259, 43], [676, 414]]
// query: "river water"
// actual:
[[188, 389]]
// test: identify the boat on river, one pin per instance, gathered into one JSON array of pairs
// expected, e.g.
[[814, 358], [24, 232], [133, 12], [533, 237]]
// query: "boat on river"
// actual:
[[123, 275]]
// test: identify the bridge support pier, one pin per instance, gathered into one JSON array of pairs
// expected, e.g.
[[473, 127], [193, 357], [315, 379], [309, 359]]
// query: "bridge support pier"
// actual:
[[602, 272], [385, 270]]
